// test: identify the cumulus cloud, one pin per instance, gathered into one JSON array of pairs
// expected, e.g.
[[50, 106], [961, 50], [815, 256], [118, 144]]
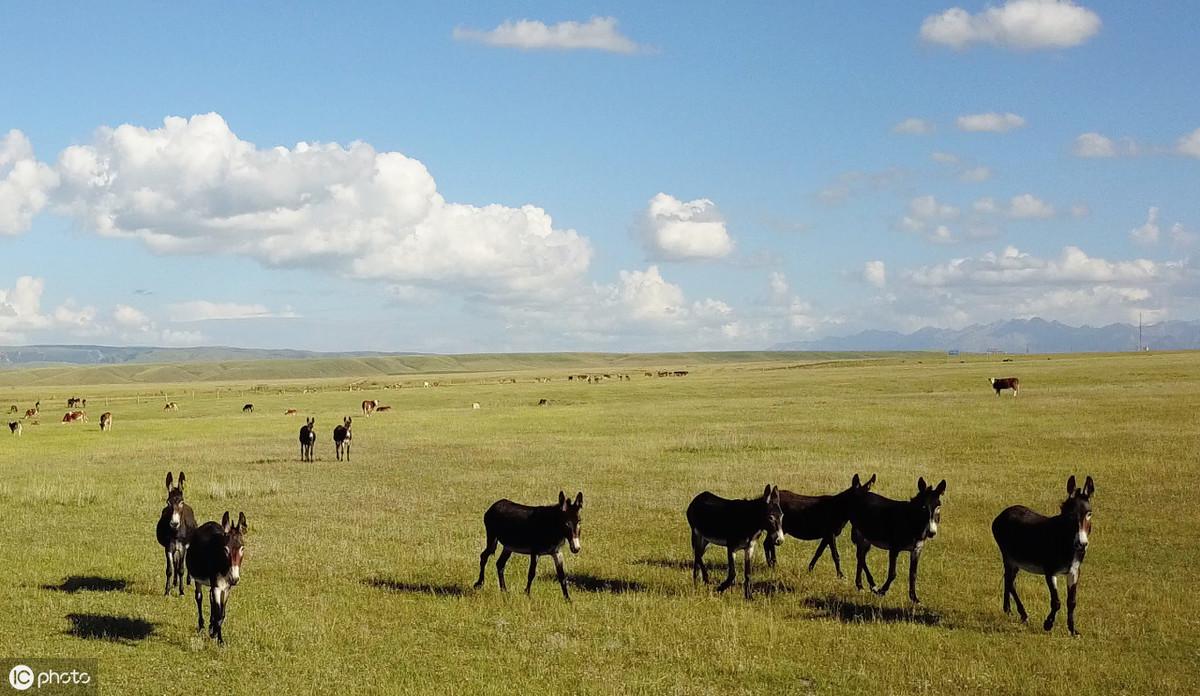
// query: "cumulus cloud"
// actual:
[[1146, 233], [779, 284], [875, 273], [193, 186], [975, 174], [1189, 144], [926, 216], [130, 317], [1094, 145], [1018, 24], [596, 34], [204, 310], [1014, 267], [25, 183], [1028, 205], [674, 230], [991, 122], [914, 126]]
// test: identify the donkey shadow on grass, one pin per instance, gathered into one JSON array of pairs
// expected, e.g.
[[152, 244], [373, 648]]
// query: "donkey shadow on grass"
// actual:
[[584, 582], [416, 588], [120, 629], [852, 612], [718, 569], [89, 583]]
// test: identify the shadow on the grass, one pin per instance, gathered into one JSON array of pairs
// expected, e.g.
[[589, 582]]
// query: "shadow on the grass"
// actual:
[[593, 583], [679, 564], [834, 607], [123, 629], [89, 583], [424, 588]]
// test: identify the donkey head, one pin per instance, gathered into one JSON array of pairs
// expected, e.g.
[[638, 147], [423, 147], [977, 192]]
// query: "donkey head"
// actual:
[[569, 511], [234, 550], [346, 422], [175, 499], [772, 515], [930, 498], [1078, 507], [857, 486]]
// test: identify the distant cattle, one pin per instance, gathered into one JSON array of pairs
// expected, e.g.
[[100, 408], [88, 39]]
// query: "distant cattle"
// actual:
[[248, 408], [1001, 383], [75, 401], [170, 406], [290, 412], [382, 409], [31, 413], [15, 427], [681, 373], [543, 402], [105, 421], [74, 417], [369, 406], [475, 406]]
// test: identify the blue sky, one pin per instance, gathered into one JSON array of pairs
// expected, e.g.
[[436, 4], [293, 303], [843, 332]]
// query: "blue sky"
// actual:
[[606, 176]]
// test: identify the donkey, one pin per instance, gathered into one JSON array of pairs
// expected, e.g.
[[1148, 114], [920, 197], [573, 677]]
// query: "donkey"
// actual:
[[14, 427], [342, 438], [817, 517], [215, 560], [895, 525], [535, 531], [1048, 546], [176, 525], [308, 437], [105, 421], [734, 524], [248, 408]]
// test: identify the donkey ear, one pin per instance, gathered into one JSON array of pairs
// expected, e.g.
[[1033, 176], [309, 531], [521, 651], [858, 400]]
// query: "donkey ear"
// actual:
[[921, 486], [225, 522], [181, 480], [562, 500], [579, 500], [941, 487], [767, 491], [169, 480], [854, 482], [1071, 485], [242, 522], [774, 497], [1089, 487], [871, 481]]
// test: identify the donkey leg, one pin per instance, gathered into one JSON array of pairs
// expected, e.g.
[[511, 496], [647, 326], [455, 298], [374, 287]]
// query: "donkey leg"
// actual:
[[500, 563], [837, 562], [483, 559], [746, 568], [698, 546], [1072, 584], [199, 609], [729, 578], [769, 551], [1016, 597], [170, 569], [816, 556], [891, 576], [1052, 585], [214, 612], [179, 557], [562, 574], [914, 557], [532, 572]]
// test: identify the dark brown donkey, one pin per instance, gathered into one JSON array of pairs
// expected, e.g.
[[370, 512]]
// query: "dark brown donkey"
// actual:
[[1048, 546], [821, 517], [342, 437], [215, 560], [175, 527], [895, 525], [535, 531], [734, 524], [308, 437]]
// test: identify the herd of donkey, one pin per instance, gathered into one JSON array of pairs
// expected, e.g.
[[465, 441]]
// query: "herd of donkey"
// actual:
[[212, 553]]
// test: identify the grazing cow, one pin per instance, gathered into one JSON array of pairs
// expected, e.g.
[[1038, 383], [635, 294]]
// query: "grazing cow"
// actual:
[[1002, 383], [290, 412], [895, 525], [734, 524], [105, 421], [176, 524], [248, 408], [171, 406], [342, 437], [475, 406], [543, 402], [817, 517], [383, 409], [535, 531], [74, 417], [14, 427], [31, 413], [369, 406], [308, 437], [214, 559], [1048, 546], [72, 402]]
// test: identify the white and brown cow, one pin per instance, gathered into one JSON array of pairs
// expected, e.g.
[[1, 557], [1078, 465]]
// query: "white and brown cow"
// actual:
[[1002, 383]]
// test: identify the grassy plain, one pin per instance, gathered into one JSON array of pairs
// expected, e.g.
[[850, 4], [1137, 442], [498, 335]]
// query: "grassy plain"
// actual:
[[358, 575]]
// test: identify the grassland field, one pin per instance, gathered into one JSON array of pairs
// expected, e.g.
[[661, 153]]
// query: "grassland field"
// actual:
[[358, 575]]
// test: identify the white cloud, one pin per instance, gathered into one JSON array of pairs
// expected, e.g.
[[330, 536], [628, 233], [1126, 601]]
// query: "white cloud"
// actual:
[[1018, 24], [975, 174], [925, 215], [1014, 267], [914, 126], [991, 122], [1181, 237], [130, 317], [597, 34], [1147, 233], [875, 273], [1189, 144], [675, 230], [204, 310], [25, 183], [1028, 205], [1094, 145], [192, 186], [986, 205], [779, 284]]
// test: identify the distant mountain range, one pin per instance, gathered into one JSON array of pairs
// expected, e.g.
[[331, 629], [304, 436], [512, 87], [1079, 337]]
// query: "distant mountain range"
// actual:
[[11, 356], [1017, 336]]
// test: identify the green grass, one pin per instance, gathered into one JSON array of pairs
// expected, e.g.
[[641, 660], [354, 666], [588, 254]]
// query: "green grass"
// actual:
[[357, 576]]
